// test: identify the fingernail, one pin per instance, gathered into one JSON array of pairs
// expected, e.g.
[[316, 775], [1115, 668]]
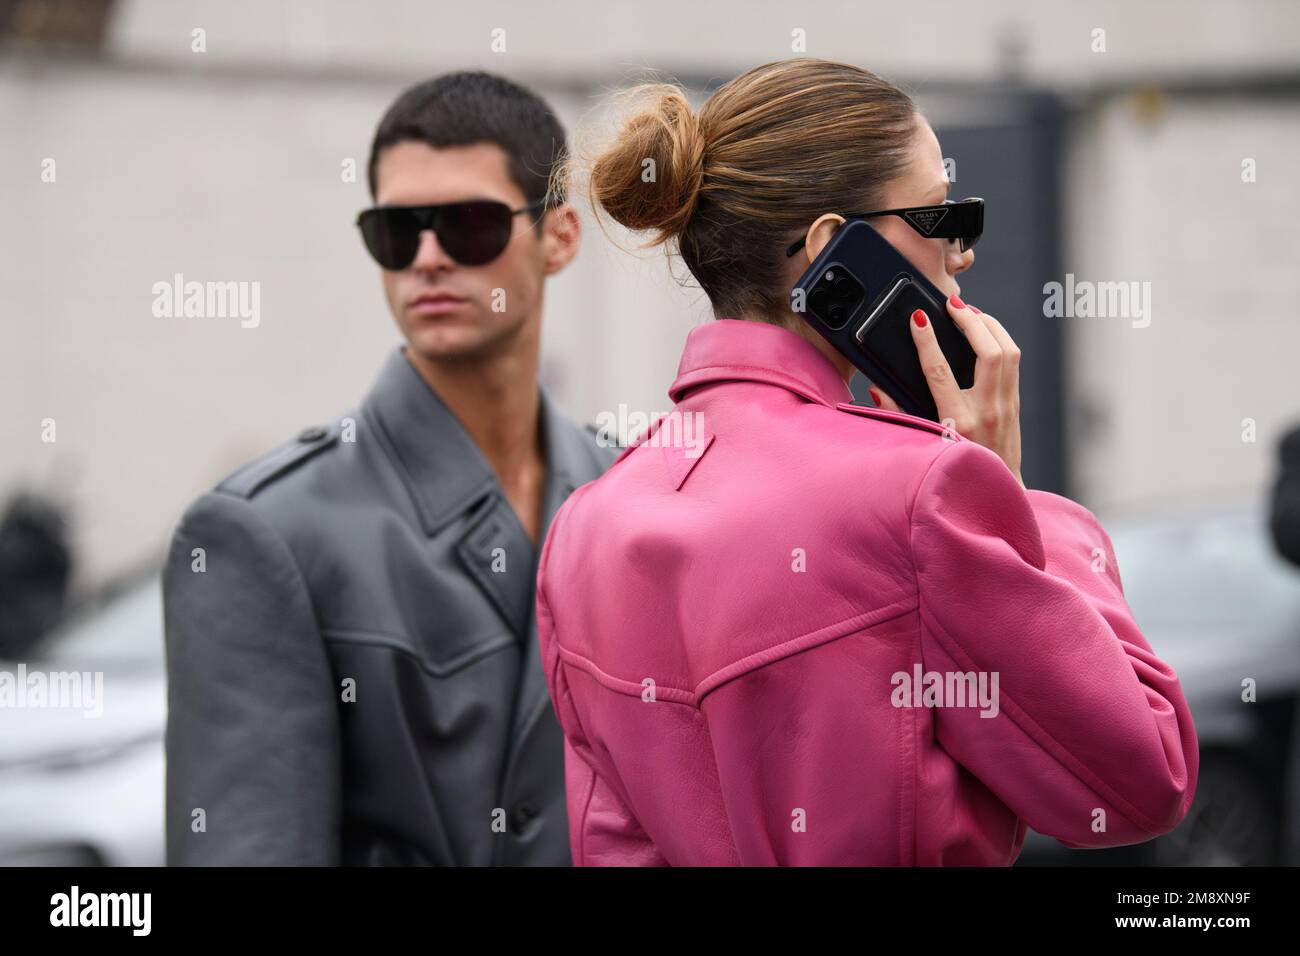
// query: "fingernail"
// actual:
[[875, 396], [955, 299], [976, 310], [919, 318]]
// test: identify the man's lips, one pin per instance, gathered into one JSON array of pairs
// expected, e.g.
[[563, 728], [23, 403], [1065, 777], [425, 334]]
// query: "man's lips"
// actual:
[[435, 303]]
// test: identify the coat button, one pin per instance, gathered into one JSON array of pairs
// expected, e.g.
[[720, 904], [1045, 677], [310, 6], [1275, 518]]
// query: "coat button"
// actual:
[[524, 814], [313, 433]]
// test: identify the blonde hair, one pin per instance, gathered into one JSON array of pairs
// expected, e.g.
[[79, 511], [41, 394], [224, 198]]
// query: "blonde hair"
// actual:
[[735, 183]]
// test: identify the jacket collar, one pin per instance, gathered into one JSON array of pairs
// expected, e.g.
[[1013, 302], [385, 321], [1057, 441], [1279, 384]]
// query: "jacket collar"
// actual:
[[444, 469], [740, 350]]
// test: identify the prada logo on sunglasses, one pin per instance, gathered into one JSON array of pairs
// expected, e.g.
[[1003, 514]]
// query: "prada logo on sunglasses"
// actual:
[[926, 219]]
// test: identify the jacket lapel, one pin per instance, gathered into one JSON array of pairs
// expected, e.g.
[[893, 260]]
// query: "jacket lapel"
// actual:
[[449, 478], [497, 554]]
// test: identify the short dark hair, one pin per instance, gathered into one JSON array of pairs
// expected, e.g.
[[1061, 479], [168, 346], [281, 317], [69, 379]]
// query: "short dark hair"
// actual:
[[459, 109]]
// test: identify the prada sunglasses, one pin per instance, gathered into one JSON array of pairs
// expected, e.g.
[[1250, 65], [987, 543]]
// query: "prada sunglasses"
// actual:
[[473, 233], [962, 221]]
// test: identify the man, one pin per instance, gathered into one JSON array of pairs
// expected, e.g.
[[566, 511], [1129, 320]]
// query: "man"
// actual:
[[353, 663]]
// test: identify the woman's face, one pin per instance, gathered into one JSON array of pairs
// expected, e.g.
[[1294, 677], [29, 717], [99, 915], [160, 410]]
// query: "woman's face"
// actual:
[[924, 182]]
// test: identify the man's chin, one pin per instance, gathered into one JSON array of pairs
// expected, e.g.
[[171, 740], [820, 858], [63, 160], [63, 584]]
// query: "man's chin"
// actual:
[[451, 343]]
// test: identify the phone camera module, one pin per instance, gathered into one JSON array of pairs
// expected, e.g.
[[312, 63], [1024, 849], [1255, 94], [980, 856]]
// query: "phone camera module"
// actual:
[[836, 297]]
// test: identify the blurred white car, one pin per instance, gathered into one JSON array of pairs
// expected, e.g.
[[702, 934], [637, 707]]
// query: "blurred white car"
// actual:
[[77, 789]]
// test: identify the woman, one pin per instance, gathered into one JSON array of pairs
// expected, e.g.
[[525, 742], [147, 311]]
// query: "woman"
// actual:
[[815, 633]]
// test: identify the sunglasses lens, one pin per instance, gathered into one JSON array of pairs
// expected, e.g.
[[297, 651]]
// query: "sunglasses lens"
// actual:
[[474, 232], [392, 236]]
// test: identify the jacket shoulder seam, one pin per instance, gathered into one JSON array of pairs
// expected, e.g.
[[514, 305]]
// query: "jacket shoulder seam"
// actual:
[[902, 419]]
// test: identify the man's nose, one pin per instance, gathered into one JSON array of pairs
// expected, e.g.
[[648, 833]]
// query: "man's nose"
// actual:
[[430, 254]]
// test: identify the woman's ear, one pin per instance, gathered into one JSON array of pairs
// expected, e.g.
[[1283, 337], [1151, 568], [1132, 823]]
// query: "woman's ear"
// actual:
[[819, 233]]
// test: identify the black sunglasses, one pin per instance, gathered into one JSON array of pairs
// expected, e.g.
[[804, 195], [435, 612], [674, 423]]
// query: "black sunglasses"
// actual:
[[963, 221], [472, 233]]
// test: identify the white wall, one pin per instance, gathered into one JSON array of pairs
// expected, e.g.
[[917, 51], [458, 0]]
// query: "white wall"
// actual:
[[589, 42], [1154, 193]]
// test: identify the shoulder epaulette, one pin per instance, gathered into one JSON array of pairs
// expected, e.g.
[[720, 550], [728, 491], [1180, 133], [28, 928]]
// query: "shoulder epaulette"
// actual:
[[900, 418], [246, 481]]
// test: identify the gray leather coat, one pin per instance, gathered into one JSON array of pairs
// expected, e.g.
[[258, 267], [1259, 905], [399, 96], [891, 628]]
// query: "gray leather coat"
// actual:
[[352, 657]]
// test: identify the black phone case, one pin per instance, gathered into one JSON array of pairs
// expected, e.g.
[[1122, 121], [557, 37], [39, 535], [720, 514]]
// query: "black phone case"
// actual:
[[859, 295]]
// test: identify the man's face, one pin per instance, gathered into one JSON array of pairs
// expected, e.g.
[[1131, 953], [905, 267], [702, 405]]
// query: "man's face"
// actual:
[[495, 302]]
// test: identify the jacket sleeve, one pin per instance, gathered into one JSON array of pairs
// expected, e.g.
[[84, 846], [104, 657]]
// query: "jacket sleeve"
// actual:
[[602, 830], [1093, 742], [252, 727]]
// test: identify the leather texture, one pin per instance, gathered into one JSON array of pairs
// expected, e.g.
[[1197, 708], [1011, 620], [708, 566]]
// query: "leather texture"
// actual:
[[721, 634], [378, 553]]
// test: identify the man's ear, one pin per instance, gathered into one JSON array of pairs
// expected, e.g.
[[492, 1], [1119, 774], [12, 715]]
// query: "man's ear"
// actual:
[[561, 237], [819, 233]]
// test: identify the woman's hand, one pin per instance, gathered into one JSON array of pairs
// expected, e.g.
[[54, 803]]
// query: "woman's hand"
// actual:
[[989, 411]]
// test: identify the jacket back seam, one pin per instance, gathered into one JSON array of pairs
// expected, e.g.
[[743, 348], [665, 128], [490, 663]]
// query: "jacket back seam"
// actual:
[[746, 665]]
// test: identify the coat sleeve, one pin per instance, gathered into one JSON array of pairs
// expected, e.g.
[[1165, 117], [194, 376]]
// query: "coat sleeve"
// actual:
[[1093, 741], [252, 726], [602, 830]]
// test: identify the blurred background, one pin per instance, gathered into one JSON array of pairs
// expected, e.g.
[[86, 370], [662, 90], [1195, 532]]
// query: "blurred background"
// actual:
[[1144, 146]]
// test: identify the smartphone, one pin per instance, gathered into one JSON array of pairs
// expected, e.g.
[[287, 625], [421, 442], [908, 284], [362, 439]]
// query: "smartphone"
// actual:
[[859, 294]]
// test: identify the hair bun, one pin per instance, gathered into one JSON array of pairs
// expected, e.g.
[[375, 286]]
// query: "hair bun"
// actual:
[[651, 176]]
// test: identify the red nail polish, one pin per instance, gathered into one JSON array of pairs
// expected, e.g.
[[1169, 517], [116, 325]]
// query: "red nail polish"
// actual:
[[919, 318], [955, 299], [976, 310]]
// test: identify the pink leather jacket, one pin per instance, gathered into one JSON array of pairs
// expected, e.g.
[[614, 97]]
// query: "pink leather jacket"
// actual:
[[784, 629]]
